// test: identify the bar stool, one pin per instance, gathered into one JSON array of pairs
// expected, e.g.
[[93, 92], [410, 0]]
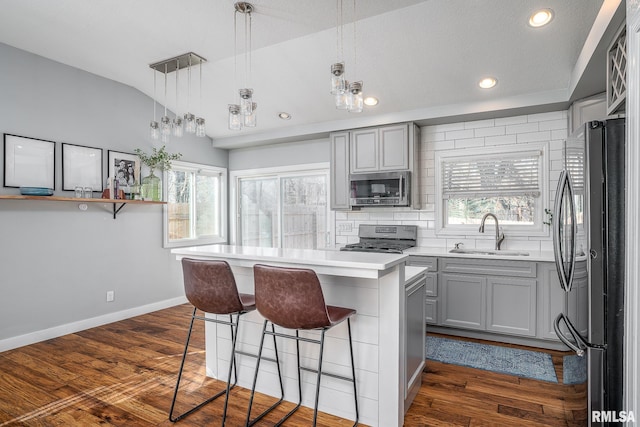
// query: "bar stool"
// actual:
[[292, 298], [211, 287]]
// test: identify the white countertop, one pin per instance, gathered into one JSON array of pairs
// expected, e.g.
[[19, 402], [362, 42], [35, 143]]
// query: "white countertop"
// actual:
[[411, 271], [304, 257], [545, 256]]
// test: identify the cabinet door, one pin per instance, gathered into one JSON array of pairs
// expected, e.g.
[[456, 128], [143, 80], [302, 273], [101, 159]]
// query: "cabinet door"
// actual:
[[511, 305], [364, 150], [340, 171], [463, 300], [431, 311], [394, 147], [553, 300]]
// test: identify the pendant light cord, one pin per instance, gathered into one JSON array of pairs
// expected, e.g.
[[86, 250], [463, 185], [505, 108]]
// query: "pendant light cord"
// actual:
[[355, 60], [177, 73], [165, 89], [154, 94]]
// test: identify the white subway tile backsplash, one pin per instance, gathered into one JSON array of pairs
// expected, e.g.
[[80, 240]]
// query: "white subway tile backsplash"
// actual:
[[492, 131], [500, 140], [511, 120], [560, 124], [444, 145], [480, 124], [406, 216], [523, 128], [553, 115], [534, 137], [444, 127], [469, 143], [459, 134]]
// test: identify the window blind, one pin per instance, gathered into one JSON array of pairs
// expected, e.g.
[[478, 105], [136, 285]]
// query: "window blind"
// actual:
[[490, 176], [574, 163]]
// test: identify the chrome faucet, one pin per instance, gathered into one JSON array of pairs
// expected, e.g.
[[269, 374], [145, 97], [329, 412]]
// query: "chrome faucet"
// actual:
[[499, 233]]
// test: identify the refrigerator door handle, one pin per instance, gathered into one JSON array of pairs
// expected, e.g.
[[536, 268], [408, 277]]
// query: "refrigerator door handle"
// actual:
[[580, 344], [566, 277]]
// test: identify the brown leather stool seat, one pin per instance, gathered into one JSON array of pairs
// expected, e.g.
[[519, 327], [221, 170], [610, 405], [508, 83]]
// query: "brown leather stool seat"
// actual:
[[292, 298], [211, 287]]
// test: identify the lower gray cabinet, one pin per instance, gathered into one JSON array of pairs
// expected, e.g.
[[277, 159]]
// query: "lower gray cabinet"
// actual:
[[511, 305], [463, 301], [431, 300]]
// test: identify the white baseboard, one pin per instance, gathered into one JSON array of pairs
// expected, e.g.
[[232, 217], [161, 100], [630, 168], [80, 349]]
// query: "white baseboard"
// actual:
[[70, 328]]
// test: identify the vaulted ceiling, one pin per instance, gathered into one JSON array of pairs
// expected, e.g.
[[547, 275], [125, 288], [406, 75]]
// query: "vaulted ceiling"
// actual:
[[421, 58]]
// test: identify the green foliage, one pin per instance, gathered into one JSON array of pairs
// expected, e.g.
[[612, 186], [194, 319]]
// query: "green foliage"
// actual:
[[158, 159], [549, 217]]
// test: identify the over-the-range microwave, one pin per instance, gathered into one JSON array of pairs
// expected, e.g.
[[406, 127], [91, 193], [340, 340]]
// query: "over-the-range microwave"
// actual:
[[381, 189]]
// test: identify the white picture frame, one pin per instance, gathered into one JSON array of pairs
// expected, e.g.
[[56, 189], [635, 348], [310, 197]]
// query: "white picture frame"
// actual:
[[81, 167], [29, 162]]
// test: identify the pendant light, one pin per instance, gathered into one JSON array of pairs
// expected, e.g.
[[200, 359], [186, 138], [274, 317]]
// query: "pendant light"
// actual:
[[154, 128], [176, 125], [243, 112], [347, 96]]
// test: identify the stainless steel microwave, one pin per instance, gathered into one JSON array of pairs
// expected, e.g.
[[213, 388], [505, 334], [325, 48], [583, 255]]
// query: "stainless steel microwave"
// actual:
[[381, 189]]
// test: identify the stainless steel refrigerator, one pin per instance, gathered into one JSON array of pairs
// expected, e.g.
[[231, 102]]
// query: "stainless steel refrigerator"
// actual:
[[589, 226]]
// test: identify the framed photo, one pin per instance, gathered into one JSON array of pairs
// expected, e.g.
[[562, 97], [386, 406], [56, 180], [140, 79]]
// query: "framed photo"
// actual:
[[125, 168], [81, 166], [29, 162]]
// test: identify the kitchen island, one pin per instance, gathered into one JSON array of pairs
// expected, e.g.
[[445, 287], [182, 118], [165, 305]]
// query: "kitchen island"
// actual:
[[372, 284]]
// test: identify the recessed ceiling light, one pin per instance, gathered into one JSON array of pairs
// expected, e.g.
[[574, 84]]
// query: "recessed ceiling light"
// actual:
[[371, 101], [284, 116], [487, 82], [540, 18]]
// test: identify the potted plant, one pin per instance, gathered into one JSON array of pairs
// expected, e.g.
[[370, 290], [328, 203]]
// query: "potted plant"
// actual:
[[151, 188]]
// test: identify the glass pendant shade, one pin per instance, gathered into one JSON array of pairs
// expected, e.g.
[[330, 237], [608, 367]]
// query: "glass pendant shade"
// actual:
[[189, 123], [154, 130], [235, 118], [337, 78], [165, 125], [200, 127], [250, 120], [342, 97], [246, 101], [355, 101], [176, 127]]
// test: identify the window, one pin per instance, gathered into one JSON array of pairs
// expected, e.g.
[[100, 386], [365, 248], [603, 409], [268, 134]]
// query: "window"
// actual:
[[195, 210], [510, 183], [282, 209]]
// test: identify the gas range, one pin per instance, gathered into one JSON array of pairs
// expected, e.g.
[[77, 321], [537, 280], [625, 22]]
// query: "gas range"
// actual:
[[392, 239]]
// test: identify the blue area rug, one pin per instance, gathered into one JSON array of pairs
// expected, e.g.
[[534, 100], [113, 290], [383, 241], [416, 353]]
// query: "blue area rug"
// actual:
[[505, 360], [574, 369]]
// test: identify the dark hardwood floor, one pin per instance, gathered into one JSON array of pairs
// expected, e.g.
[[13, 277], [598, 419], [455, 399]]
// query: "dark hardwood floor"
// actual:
[[123, 374]]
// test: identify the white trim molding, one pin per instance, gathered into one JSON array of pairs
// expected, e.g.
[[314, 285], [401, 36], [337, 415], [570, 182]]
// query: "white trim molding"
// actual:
[[631, 388]]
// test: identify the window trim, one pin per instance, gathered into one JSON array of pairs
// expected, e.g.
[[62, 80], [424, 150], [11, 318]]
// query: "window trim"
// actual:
[[195, 167], [279, 171], [538, 229]]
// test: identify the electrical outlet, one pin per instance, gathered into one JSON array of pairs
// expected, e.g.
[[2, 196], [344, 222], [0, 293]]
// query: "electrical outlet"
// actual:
[[111, 295]]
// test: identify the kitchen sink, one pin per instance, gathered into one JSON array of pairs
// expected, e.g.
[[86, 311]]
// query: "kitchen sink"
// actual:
[[488, 252]]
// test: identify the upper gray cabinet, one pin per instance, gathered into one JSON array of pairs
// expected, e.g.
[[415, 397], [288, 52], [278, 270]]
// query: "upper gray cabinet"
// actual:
[[339, 170], [382, 149]]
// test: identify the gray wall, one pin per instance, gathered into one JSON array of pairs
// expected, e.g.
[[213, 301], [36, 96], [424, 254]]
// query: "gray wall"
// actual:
[[285, 154], [57, 262]]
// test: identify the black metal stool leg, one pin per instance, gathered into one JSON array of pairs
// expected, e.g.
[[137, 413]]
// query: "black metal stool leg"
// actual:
[[249, 421], [217, 395], [353, 372], [315, 408], [233, 366], [291, 412]]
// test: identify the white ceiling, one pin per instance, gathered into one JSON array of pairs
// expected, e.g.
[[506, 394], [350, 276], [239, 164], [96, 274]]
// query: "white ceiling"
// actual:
[[421, 58]]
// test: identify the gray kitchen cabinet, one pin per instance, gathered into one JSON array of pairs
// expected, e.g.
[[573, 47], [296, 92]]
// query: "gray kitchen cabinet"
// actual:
[[554, 300], [489, 295], [463, 301], [431, 286], [382, 149], [339, 171], [511, 305]]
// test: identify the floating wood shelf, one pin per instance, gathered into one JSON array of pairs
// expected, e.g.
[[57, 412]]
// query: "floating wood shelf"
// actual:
[[118, 204]]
